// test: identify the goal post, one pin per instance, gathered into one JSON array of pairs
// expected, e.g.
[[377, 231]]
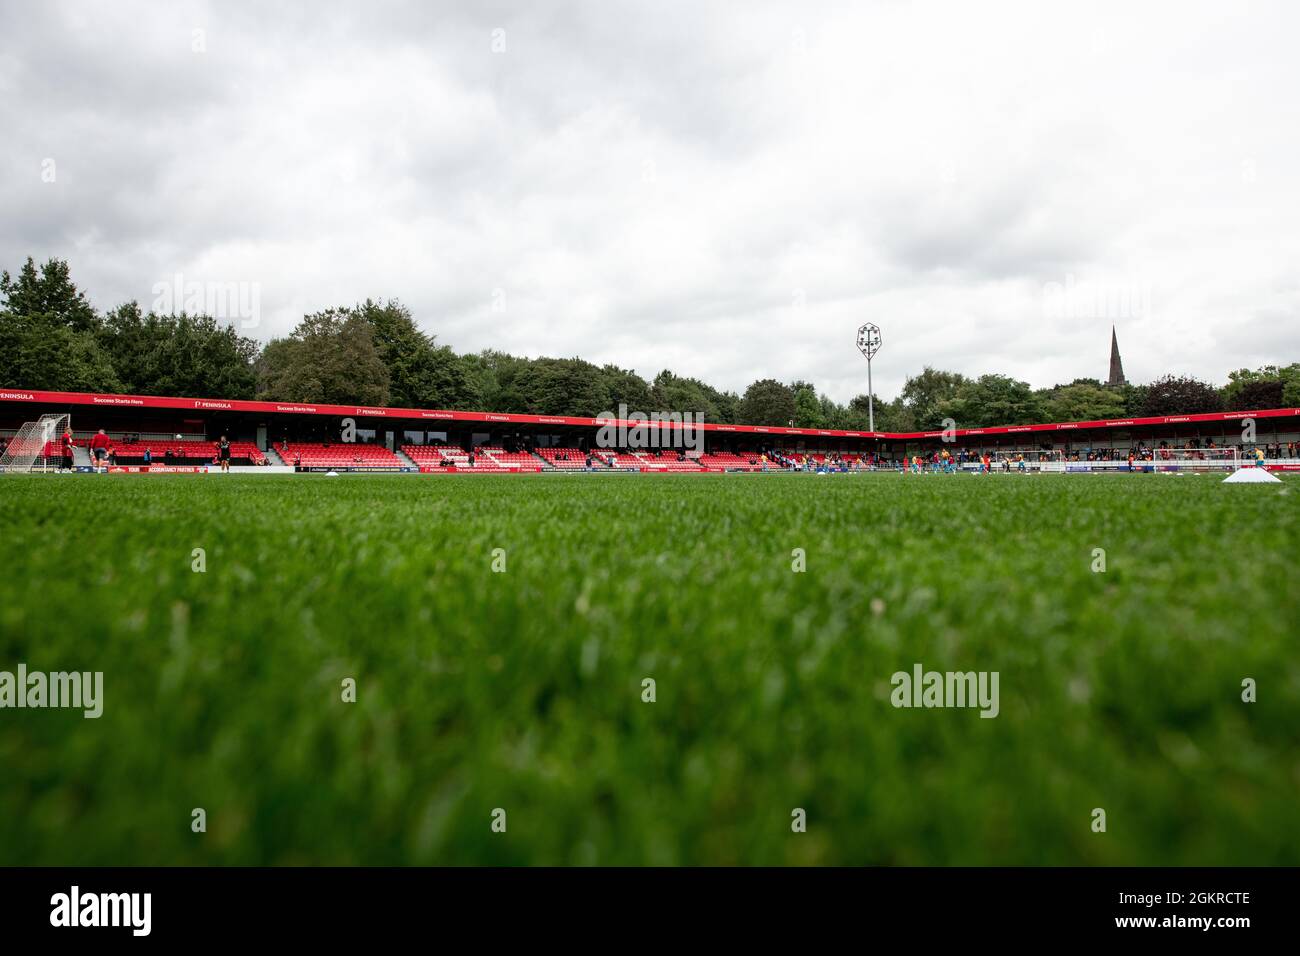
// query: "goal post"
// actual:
[[1045, 461], [1022, 461], [38, 446], [1226, 458]]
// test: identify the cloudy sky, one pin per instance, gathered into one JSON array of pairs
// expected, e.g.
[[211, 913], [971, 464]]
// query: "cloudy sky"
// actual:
[[726, 190]]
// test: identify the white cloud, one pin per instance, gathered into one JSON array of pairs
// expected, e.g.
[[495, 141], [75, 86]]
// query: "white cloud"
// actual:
[[727, 191]]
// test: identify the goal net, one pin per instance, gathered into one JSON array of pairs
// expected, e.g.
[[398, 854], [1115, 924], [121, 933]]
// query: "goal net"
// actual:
[[1020, 462], [1194, 459], [1052, 461], [38, 446]]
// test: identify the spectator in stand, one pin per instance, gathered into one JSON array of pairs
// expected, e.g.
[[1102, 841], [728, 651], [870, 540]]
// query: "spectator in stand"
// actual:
[[148, 456], [99, 446]]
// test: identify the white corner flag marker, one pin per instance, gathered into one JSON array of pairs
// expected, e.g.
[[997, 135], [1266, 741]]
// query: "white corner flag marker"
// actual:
[[1252, 476]]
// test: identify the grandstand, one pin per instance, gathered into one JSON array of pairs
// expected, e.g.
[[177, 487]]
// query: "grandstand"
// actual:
[[436, 441]]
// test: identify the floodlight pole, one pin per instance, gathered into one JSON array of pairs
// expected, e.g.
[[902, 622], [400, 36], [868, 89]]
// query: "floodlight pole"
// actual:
[[871, 400], [869, 345]]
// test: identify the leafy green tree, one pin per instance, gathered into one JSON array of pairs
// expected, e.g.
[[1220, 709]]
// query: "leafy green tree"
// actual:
[[421, 373], [857, 414], [492, 377], [129, 343], [550, 386], [1180, 395], [178, 354], [1259, 394], [807, 409], [1135, 399], [48, 333], [1082, 401], [767, 402], [835, 415], [330, 358], [673, 393], [42, 352], [726, 403], [893, 416], [626, 387], [49, 291], [990, 400], [1291, 384], [925, 393], [1262, 388], [200, 356]]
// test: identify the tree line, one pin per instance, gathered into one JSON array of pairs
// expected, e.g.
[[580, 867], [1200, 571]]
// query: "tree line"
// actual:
[[374, 353]]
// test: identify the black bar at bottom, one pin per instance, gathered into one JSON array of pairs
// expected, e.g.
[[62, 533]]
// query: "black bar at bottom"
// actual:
[[333, 906]]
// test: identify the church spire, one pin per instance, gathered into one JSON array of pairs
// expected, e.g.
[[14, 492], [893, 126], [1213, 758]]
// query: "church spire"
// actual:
[[1116, 366]]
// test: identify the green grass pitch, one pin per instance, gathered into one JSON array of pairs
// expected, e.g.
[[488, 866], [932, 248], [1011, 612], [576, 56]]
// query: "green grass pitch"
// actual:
[[522, 690]]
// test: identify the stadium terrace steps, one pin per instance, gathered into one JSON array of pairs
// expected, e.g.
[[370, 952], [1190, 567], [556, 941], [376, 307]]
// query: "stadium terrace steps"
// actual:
[[273, 456], [345, 455], [734, 462], [564, 459], [443, 458], [511, 460], [666, 461], [405, 459]]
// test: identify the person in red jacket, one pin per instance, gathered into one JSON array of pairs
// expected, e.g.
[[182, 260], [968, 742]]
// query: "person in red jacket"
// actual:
[[67, 450], [99, 446]]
